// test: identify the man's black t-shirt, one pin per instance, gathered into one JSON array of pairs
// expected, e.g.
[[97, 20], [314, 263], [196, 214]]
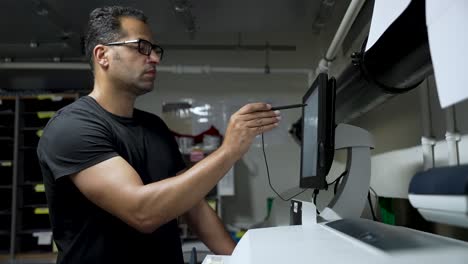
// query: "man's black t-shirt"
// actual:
[[81, 135]]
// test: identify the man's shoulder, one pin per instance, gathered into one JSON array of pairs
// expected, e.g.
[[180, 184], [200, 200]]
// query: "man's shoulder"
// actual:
[[82, 103], [83, 107], [147, 117], [73, 116]]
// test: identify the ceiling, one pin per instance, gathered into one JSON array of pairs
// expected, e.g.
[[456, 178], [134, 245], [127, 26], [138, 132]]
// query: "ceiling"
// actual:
[[52, 30]]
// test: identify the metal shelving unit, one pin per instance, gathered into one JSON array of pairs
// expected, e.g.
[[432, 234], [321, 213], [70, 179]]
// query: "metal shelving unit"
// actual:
[[24, 219]]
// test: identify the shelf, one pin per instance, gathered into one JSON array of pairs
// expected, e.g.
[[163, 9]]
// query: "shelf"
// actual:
[[34, 258], [27, 206], [5, 212], [32, 128], [41, 114], [50, 97], [27, 148], [38, 112], [31, 183], [32, 231], [6, 174], [34, 113], [190, 238], [35, 219], [35, 177]]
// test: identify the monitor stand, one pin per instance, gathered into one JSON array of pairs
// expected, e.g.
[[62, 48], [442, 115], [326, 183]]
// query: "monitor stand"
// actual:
[[351, 195]]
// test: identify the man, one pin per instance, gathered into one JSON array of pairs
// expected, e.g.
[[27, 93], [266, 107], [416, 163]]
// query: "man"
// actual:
[[109, 169]]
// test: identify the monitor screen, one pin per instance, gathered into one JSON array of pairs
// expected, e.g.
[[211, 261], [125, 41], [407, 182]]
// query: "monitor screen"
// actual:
[[318, 130], [309, 142]]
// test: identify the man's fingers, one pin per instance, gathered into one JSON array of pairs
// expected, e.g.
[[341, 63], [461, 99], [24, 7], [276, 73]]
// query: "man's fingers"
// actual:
[[254, 107], [263, 129], [262, 122], [250, 121], [257, 115]]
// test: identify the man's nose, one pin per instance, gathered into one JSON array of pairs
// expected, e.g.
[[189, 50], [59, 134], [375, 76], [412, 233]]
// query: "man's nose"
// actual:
[[154, 58]]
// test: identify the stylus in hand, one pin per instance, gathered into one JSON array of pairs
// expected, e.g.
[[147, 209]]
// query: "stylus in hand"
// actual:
[[287, 106]]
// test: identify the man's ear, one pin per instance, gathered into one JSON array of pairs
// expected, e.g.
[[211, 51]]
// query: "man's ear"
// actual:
[[100, 53]]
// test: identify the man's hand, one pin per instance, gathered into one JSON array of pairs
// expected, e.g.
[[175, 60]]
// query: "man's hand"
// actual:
[[244, 125]]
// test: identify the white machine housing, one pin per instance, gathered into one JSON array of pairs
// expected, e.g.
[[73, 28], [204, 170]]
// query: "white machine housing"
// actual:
[[341, 236]]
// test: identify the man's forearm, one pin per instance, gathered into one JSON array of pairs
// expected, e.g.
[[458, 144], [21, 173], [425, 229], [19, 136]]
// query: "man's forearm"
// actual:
[[167, 199], [209, 228]]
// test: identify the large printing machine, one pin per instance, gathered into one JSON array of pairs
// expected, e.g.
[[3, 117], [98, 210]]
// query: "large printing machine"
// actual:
[[398, 62]]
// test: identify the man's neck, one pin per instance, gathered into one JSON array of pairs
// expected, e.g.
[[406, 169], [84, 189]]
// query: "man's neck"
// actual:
[[115, 101]]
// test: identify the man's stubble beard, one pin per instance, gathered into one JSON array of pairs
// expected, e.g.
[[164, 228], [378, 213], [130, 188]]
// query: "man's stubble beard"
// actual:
[[143, 90], [132, 87]]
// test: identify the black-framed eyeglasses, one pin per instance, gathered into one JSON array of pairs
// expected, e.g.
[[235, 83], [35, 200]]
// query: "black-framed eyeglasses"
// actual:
[[144, 47]]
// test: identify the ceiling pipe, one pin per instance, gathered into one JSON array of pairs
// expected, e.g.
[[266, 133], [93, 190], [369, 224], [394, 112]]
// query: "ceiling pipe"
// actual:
[[345, 25], [176, 69], [238, 47], [44, 66]]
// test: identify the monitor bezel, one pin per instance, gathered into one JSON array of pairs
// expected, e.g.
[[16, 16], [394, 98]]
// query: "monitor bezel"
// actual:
[[325, 132]]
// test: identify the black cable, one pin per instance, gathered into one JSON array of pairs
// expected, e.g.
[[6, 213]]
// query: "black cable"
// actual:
[[314, 195], [339, 178], [268, 174], [376, 197], [370, 205], [373, 191], [335, 188], [337, 181]]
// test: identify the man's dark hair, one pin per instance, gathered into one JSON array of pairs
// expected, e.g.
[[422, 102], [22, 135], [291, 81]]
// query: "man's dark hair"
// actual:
[[104, 26]]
